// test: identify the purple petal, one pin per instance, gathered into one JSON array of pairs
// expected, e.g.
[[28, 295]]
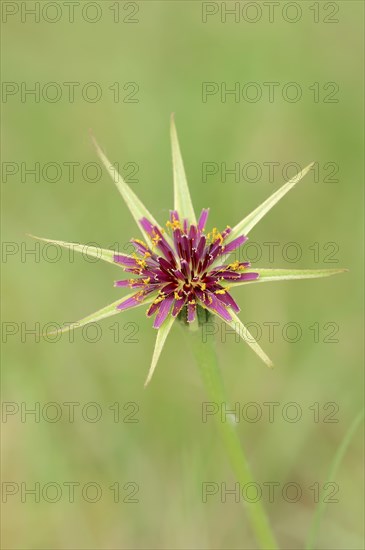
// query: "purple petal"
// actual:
[[133, 301], [127, 261], [246, 277], [191, 312], [201, 247], [165, 265], [194, 259], [146, 226], [153, 308], [235, 244], [225, 267], [203, 219], [162, 243], [193, 235], [167, 289], [226, 232], [177, 239], [216, 306], [229, 275], [163, 312], [214, 253], [178, 305], [126, 282], [174, 216], [178, 274], [185, 269], [141, 247], [228, 300], [185, 245]]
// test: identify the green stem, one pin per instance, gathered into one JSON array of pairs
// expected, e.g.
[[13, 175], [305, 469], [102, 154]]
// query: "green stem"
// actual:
[[206, 358]]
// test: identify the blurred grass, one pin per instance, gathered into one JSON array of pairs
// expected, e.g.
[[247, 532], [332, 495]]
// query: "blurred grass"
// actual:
[[169, 453]]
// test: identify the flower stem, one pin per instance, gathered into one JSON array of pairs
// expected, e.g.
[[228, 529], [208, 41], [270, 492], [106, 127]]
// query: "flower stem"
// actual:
[[206, 357]]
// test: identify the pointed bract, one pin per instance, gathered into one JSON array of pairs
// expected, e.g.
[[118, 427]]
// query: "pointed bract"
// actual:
[[102, 313], [162, 334], [182, 199], [136, 207], [242, 331], [267, 275], [245, 225], [93, 251]]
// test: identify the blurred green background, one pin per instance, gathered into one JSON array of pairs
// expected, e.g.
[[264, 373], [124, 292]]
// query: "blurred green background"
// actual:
[[169, 52]]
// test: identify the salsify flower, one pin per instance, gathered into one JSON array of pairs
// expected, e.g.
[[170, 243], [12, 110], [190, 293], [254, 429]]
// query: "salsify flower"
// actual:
[[184, 274], [182, 271]]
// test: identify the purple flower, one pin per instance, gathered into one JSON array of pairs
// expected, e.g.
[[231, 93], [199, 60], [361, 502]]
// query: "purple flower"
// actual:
[[185, 273], [179, 271]]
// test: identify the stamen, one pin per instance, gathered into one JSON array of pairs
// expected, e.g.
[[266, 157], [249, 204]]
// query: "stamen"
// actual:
[[175, 224], [235, 265]]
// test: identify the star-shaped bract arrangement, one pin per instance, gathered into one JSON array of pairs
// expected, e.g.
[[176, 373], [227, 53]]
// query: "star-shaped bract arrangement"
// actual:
[[182, 268]]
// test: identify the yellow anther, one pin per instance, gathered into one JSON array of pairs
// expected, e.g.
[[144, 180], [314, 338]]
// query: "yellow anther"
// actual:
[[235, 265], [203, 286], [155, 240], [159, 299], [146, 281], [139, 296], [142, 264], [215, 235], [177, 296], [222, 291], [139, 262], [175, 224]]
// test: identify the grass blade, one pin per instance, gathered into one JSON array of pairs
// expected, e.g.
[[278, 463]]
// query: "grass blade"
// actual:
[[337, 459]]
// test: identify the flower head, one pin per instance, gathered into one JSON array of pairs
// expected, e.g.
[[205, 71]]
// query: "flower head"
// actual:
[[182, 269], [187, 273]]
